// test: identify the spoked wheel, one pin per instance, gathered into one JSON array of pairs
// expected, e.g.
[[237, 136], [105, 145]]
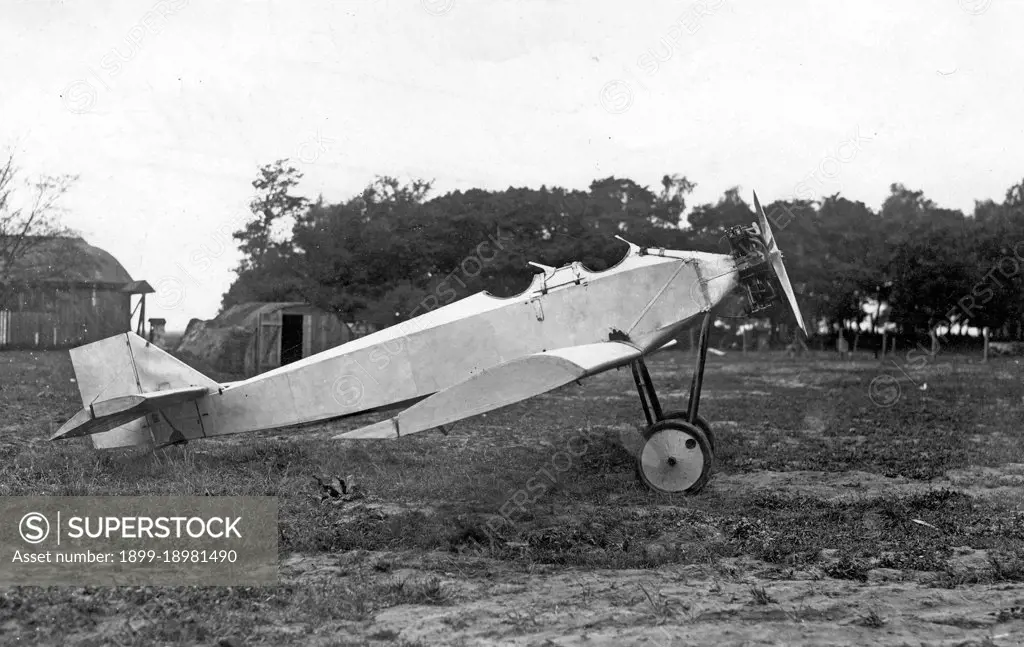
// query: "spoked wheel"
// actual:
[[701, 422], [676, 457]]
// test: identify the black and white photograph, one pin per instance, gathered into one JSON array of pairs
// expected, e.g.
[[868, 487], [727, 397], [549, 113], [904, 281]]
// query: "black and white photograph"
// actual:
[[511, 322]]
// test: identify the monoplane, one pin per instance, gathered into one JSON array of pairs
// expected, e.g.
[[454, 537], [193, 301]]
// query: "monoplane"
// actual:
[[461, 360]]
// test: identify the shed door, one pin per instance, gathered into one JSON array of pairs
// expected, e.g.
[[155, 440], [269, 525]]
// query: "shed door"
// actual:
[[269, 341], [292, 338], [308, 336]]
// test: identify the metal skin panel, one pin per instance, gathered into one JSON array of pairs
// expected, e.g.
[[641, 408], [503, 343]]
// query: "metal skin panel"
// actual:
[[643, 301]]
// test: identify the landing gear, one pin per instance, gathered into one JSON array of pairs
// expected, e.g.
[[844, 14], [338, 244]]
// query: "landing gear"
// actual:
[[679, 448], [676, 457]]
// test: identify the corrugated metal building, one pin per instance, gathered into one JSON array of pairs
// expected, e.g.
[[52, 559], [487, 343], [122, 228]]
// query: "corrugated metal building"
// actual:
[[63, 292], [251, 338]]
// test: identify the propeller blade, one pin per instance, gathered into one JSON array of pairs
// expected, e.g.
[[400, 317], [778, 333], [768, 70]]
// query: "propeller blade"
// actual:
[[766, 231], [775, 259], [780, 271]]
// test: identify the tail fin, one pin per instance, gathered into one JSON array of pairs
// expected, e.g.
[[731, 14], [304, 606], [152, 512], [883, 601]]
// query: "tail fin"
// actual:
[[122, 380]]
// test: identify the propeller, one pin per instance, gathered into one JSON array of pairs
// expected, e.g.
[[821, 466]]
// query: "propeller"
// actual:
[[775, 260]]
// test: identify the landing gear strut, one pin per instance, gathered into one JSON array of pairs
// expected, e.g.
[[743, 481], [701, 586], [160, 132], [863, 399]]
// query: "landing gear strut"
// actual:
[[679, 447]]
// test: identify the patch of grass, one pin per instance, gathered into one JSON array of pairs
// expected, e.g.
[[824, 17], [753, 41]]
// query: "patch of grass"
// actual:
[[849, 568], [1009, 614], [428, 590], [760, 596], [662, 607], [183, 615], [384, 634], [872, 620], [1010, 569]]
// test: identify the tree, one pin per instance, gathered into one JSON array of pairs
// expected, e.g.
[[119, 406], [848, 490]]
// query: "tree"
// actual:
[[928, 260], [29, 214], [274, 207], [929, 275], [671, 203], [267, 271], [850, 262], [620, 205], [709, 222], [1015, 196], [348, 257], [996, 299]]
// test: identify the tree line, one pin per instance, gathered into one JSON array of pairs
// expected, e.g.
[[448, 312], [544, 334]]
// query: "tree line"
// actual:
[[393, 251]]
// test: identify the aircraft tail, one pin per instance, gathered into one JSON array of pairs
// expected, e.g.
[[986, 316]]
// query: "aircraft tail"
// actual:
[[133, 393]]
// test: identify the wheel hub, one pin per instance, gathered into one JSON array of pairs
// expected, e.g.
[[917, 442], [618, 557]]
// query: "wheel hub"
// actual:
[[676, 457]]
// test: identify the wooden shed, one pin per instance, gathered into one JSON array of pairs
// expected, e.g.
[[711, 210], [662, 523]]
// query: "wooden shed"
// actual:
[[63, 292], [252, 338]]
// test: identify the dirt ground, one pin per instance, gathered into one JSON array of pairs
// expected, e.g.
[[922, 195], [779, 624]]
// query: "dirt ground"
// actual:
[[737, 602], [831, 519]]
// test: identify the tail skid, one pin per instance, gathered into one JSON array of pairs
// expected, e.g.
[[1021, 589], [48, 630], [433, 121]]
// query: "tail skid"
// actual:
[[133, 393]]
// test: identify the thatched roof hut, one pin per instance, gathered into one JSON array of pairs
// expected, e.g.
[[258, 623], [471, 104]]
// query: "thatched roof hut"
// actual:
[[62, 291], [58, 259]]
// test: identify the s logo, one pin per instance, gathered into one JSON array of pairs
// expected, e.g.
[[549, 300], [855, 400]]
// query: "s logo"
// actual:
[[34, 528]]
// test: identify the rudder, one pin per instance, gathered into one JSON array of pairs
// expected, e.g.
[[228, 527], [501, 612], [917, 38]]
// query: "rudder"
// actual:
[[129, 365]]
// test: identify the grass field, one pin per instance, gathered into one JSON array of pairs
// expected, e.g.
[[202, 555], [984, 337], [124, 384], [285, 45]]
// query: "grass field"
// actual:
[[830, 519]]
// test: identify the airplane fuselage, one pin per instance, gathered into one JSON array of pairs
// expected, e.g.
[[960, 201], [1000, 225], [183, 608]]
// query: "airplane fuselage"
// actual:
[[645, 299]]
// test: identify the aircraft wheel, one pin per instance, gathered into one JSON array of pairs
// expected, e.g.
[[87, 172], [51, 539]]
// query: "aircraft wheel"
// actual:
[[701, 422], [676, 457]]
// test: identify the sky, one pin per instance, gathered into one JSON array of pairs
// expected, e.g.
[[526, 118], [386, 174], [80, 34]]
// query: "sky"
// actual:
[[165, 110]]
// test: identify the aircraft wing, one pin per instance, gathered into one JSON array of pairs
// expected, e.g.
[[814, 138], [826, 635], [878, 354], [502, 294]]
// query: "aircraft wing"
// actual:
[[108, 414], [505, 384]]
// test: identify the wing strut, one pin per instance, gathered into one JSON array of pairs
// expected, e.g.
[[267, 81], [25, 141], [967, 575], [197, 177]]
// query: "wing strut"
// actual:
[[645, 389], [698, 374]]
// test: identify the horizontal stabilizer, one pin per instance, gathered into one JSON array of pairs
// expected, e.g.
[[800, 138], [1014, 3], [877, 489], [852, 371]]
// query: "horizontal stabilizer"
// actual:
[[124, 377], [109, 414], [505, 384]]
